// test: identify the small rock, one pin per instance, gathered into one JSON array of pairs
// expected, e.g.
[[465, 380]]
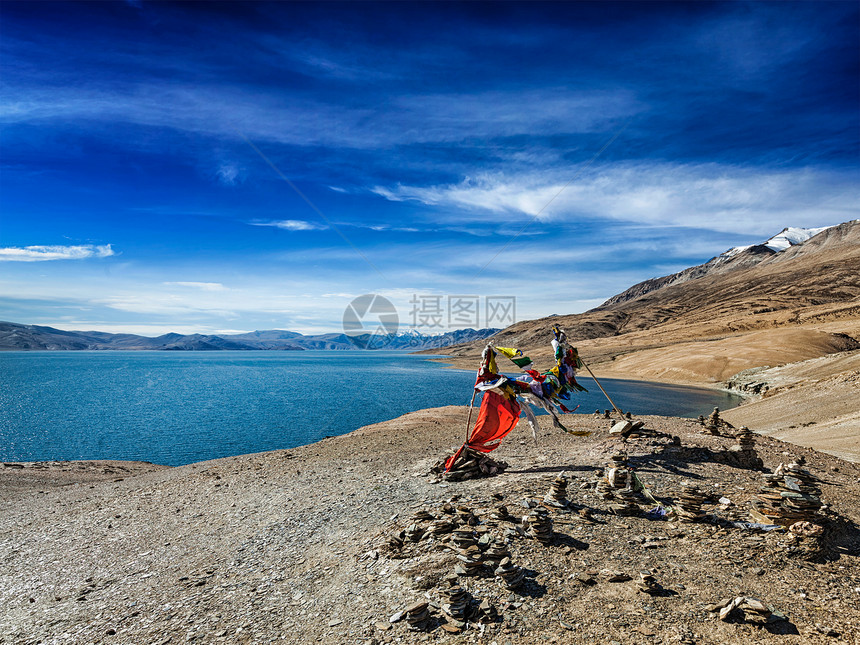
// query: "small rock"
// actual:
[[621, 427]]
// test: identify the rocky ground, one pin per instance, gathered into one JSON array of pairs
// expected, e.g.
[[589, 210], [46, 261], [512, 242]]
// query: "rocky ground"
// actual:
[[296, 545]]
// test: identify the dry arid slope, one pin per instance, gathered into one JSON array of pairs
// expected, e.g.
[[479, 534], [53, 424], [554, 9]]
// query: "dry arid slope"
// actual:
[[800, 304]]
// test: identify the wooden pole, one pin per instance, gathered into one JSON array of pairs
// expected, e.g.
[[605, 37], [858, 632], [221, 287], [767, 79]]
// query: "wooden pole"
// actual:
[[601, 387], [469, 420]]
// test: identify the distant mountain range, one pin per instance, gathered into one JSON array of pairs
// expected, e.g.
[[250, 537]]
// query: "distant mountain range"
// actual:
[[15, 336]]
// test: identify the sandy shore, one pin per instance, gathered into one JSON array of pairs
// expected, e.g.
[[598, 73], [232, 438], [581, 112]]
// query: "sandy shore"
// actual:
[[289, 546]]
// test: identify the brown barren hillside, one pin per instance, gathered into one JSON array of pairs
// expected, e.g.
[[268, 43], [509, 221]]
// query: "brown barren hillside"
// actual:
[[800, 304]]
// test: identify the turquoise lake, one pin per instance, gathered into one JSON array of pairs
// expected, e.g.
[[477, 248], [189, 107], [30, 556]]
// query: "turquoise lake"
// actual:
[[181, 407]]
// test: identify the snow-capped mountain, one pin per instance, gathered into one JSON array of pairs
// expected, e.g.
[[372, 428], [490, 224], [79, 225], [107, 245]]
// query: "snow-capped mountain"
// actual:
[[789, 236], [735, 258]]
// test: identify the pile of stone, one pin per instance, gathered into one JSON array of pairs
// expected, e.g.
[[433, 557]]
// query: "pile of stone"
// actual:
[[501, 514], [689, 506], [538, 525], [746, 438], [465, 516], [648, 583], [418, 615], [743, 453], [512, 575], [497, 551], [791, 494], [462, 538], [470, 562], [618, 471], [455, 605], [604, 489], [557, 495], [441, 526], [714, 423], [625, 503], [470, 464], [423, 515]]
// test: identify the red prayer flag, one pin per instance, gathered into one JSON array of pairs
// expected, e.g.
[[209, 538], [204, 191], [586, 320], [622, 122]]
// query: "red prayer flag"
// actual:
[[497, 417]]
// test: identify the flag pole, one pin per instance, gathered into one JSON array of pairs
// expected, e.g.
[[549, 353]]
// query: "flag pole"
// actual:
[[601, 387], [469, 420]]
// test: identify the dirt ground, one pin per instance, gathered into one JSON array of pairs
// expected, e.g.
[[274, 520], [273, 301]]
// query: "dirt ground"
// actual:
[[292, 545]]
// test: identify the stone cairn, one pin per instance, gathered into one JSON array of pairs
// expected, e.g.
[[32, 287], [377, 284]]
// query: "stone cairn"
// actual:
[[465, 516], [789, 495], [538, 525], [713, 424], [501, 514], [604, 489], [469, 556], [497, 551], [512, 575], [744, 450], [455, 604], [648, 583], [625, 502], [617, 486], [557, 495], [487, 612], [470, 562], [462, 538], [689, 506], [418, 615], [439, 527], [471, 464], [618, 471]]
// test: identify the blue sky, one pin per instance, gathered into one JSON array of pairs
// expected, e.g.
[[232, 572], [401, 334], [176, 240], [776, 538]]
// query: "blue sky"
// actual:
[[146, 149]]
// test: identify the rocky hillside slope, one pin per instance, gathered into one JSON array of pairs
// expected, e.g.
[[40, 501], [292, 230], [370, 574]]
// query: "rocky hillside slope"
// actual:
[[806, 298]]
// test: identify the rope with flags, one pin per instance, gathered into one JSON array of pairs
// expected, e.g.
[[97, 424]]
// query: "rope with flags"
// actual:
[[500, 403]]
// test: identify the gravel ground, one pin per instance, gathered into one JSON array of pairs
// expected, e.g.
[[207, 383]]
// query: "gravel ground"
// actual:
[[290, 546]]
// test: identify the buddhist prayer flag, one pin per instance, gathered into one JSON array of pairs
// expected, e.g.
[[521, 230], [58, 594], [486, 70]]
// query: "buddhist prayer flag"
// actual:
[[517, 357]]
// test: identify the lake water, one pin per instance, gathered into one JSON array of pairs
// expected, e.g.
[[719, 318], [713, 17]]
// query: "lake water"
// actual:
[[181, 407]]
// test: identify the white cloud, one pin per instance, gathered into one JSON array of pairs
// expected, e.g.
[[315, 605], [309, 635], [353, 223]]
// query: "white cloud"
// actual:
[[205, 286], [45, 253], [228, 174], [293, 225], [412, 118], [705, 196]]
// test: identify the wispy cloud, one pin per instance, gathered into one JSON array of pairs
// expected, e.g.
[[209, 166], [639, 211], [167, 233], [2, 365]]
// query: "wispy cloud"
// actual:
[[704, 196], [46, 253], [204, 286], [293, 225], [228, 174]]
